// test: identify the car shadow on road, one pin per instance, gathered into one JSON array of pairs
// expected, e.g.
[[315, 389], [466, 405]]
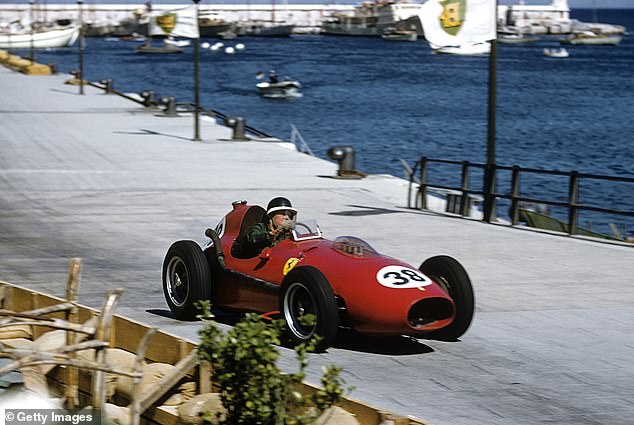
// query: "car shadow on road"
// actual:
[[347, 339], [388, 345]]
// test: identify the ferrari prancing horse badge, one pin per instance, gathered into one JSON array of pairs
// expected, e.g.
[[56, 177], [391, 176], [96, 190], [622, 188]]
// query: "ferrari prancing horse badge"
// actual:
[[290, 263]]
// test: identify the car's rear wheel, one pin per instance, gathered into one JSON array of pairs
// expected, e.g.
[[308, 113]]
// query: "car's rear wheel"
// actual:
[[186, 279], [306, 291], [453, 278]]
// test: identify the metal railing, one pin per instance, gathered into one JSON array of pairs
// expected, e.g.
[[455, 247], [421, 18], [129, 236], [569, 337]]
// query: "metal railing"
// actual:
[[514, 196], [108, 86], [299, 142]]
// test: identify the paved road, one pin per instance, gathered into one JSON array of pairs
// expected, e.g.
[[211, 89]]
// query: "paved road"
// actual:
[[98, 177]]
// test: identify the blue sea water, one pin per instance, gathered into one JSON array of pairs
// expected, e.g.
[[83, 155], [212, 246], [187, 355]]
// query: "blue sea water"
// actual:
[[396, 100]]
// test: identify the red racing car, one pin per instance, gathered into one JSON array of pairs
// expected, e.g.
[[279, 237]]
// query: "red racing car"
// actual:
[[342, 282]]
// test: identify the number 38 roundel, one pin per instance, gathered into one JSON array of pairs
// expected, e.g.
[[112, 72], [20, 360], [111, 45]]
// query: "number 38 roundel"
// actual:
[[401, 277]]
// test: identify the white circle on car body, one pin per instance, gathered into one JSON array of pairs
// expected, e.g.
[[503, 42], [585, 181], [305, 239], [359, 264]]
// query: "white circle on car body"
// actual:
[[402, 277], [220, 227]]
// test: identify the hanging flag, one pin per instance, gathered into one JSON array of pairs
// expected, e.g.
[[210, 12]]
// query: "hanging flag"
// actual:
[[458, 22], [177, 23]]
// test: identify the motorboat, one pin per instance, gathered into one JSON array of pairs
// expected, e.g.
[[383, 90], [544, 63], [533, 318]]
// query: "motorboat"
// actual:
[[132, 37], [176, 42], [592, 38], [556, 53], [471, 49], [280, 90], [259, 28], [396, 34], [516, 39], [53, 37], [163, 48], [228, 35]]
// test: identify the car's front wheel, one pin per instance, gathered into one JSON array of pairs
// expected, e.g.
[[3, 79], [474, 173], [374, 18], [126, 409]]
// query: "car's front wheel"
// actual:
[[186, 279], [306, 292], [452, 277]]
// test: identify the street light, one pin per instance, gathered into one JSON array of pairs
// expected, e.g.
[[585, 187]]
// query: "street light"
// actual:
[[81, 46], [31, 52], [489, 171], [196, 83]]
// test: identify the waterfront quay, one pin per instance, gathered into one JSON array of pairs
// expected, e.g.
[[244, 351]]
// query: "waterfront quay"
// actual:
[[102, 178]]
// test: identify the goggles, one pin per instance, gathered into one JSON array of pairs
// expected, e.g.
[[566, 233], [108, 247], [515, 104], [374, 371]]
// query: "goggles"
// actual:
[[288, 213]]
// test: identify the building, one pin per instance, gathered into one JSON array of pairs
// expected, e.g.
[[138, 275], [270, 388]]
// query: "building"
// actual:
[[553, 18]]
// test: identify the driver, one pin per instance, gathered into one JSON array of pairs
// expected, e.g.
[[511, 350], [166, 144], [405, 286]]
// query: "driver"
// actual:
[[280, 220]]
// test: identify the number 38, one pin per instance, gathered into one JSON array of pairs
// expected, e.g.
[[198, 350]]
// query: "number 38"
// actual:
[[401, 277]]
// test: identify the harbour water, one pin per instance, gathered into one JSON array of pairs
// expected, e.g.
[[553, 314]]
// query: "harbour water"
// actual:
[[396, 100]]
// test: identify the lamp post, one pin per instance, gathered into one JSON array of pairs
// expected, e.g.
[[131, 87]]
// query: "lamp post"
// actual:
[[31, 50], [196, 80], [489, 171], [81, 46]]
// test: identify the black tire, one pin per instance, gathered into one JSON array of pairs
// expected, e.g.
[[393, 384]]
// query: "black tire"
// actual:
[[453, 278], [186, 279], [305, 290]]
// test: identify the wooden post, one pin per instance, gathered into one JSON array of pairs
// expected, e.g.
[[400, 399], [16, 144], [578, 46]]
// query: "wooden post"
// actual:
[[72, 373], [204, 377], [103, 334]]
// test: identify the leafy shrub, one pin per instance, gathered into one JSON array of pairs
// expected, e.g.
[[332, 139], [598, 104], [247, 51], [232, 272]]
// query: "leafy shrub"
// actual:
[[253, 389]]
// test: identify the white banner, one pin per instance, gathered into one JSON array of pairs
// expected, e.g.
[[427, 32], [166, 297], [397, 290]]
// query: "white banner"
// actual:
[[177, 23], [458, 22]]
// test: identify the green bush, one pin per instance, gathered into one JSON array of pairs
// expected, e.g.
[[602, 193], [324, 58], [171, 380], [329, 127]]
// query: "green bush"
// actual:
[[253, 389]]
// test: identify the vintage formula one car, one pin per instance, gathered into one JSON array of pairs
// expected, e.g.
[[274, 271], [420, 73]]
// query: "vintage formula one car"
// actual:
[[342, 282]]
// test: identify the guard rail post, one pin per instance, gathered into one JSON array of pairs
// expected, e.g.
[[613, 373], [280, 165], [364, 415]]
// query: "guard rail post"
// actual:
[[422, 191], [108, 85], [489, 192], [464, 199], [515, 192], [573, 190], [409, 187]]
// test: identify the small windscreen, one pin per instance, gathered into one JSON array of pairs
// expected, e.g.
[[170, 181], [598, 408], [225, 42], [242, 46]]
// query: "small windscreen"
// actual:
[[306, 229], [350, 245]]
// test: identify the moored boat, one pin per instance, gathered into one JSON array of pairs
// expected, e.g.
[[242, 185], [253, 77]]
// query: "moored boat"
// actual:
[[212, 25], [556, 53], [171, 41], [465, 49], [266, 29], [592, 38], [40, 39], [372, 18], [396, 34], [516, 39], [158, 49]]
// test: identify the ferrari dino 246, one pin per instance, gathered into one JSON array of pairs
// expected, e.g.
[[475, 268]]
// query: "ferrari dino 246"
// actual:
[[342, 283]]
